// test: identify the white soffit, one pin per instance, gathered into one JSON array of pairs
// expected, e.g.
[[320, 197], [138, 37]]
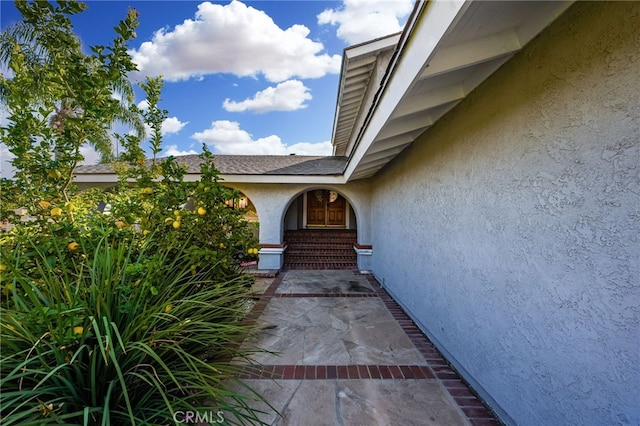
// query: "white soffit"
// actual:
[[358, 66], [449, 48]]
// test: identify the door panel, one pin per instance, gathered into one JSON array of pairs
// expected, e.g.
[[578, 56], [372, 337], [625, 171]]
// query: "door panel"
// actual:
[[325, 208], [336, 209], [316, 206]]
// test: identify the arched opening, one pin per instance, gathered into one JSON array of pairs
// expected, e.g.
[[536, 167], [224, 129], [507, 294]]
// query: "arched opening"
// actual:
[[250, 213], [320, 231], [320, 208]]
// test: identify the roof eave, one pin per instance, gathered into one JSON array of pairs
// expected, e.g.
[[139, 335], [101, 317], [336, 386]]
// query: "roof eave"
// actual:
[[447, 49]]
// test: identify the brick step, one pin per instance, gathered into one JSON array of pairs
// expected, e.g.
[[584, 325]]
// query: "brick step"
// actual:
[[321, 232], [335, 265], [326, 235], [320, 240], [319, 247], [289, 260], [343, 253]]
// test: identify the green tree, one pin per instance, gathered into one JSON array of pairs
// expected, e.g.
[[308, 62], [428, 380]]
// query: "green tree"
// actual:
[[60, 98], [121, 318]]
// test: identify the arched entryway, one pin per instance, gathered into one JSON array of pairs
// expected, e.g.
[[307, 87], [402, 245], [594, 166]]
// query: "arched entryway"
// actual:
[[320, 231]]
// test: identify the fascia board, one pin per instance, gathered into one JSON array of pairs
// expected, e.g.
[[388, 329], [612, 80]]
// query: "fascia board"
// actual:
[[313, 179], [417, 51]]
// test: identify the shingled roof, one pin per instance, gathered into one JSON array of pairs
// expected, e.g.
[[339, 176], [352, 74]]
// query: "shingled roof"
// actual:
[[250, 165]]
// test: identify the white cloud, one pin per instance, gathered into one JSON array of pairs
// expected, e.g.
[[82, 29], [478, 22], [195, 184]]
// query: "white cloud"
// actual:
[[172, 150], [287, 96], [362, 20], [90, 155], [307, 148], [143, 104], [170, 125], [227, 138], [6, 169], [235, 39]]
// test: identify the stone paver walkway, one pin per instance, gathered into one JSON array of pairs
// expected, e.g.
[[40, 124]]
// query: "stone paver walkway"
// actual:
[[344, 353]]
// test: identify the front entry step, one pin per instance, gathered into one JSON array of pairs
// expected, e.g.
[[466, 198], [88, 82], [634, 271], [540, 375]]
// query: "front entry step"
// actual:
[[320, 249]]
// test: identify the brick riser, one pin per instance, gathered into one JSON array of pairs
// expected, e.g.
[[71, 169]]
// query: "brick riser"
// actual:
[[326, 249]]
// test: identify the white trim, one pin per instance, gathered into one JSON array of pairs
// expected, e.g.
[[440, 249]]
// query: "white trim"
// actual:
[[363, 252], [439, 19], [271, 257], [365, 257], [304, 209], [297, 179]]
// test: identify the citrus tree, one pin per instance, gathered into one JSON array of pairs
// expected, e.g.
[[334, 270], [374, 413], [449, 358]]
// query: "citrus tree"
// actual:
[[60, 98]]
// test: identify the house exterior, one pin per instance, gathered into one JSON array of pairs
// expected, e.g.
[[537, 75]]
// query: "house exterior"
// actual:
[[488, 159]]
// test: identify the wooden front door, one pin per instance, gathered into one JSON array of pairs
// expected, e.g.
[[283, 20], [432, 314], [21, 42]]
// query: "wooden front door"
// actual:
[[326, 208]]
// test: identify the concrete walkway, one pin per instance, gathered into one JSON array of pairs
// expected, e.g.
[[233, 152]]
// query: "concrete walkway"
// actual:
[[346, 354]]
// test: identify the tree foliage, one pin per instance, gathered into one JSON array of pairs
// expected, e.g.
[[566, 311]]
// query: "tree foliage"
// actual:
[[60, 98], [118, 317]]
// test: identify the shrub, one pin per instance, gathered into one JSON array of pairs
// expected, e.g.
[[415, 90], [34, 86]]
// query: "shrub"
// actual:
[[110, 338], [116, 318]]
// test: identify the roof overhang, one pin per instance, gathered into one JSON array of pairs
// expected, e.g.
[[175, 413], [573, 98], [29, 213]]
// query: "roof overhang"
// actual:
[[359, 66], [447, 49], [112, 178]]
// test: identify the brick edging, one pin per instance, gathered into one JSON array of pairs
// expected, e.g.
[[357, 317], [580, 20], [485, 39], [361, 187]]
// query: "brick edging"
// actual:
[[321, 372]]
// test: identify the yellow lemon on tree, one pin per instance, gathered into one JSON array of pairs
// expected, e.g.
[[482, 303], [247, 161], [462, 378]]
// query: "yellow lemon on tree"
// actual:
[[147, 191], [202, 211], [221, 245], [120, 224], [168, 220], [73, 246], [44, 204], [176, 213], [56, 211], [55, 174], [176, 224]]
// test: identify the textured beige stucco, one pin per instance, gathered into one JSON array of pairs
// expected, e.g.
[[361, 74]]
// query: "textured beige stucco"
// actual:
[[511, 230]]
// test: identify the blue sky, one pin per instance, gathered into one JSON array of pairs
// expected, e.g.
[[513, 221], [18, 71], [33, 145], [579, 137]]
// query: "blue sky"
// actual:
[[254, 77]]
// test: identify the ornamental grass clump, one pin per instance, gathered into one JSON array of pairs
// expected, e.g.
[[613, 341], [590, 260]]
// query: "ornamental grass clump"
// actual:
[[106, 339]]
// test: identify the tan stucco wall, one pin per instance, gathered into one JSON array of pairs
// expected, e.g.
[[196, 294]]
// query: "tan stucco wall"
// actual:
[[511, 230]]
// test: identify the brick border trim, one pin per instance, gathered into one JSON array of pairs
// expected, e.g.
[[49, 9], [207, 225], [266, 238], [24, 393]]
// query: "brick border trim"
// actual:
[[342, 295], [321, 372]]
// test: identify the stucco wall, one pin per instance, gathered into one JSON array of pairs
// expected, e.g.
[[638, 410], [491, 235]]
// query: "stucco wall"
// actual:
[[511, 230], [273, 200]]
